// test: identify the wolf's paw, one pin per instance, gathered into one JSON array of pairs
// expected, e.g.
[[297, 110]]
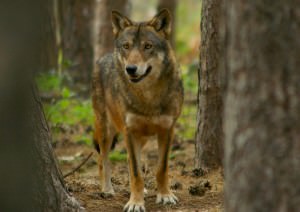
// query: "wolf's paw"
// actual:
[[106, 195], [132, 206], [166, 199], [108, 192]]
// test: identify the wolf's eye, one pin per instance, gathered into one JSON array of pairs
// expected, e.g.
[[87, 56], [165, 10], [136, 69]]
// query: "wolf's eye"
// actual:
[[126, 45], [148, 46]]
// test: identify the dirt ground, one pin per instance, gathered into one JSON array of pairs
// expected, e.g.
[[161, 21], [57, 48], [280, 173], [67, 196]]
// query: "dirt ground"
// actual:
[[196, 190]]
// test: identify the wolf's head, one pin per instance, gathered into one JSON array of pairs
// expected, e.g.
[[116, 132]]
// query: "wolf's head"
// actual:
[[143, 48]]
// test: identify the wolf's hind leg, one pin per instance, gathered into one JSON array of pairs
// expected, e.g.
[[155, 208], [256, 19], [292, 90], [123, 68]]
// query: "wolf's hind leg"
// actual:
[[104, 133]]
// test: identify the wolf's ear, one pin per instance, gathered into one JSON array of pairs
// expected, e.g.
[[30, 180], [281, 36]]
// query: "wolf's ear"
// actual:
[[119, 22], [162, 22]]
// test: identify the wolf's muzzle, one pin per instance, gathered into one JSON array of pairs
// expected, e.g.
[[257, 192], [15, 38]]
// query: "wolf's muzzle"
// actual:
[[131, 70], [135, 80]]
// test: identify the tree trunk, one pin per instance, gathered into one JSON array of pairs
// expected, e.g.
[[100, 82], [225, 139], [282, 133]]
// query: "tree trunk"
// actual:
[[262, 106], [171, 6], [30, 179], [76, 18], [209, 135], [50, 189], [103, 35], [49, 59]]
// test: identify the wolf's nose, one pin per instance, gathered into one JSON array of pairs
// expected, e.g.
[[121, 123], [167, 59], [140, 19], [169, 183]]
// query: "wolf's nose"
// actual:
[[131, 69]]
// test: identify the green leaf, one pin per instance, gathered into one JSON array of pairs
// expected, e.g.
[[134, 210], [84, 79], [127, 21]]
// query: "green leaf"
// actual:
[[117, 156]]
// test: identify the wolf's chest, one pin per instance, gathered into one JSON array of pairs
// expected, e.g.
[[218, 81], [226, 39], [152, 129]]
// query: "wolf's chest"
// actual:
[[138, 121]]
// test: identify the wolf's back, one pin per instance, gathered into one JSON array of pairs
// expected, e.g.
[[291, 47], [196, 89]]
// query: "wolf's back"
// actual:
[[105, 69]]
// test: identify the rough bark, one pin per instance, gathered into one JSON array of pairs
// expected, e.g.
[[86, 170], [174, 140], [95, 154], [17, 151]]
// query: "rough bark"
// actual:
[[262, 106], [30, 179], [171, 6], [76, 18], [103, 35], [50, 190], [209, 135]]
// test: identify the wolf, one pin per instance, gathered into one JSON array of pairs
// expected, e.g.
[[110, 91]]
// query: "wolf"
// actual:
[[137, 91]]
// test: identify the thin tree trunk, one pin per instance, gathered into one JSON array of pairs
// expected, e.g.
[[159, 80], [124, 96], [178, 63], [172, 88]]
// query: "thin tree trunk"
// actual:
[[30, 179], [76, 18], [209, 136], [171, 6], [262, 107], [49, 59], [103, 35]]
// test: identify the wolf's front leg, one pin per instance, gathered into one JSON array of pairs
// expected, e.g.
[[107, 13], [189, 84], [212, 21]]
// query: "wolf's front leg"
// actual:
[[164, 195], [136, 201]]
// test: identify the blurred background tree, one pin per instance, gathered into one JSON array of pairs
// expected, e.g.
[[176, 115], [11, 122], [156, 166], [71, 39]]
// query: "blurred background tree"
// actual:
[[74, 24], [103, 35], [262, 105], [48, 61]]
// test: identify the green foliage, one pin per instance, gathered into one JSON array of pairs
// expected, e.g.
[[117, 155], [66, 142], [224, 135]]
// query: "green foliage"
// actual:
[[187, 38], [117, 156], [49, 82], [187, 26], [67, 110], [66, 93], [70, 111], [190, 79], [83, 138], [187, 119], [172, 156], [187, 122]]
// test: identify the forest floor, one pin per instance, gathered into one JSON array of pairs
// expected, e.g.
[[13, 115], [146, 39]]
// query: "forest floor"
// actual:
[[196, 190]]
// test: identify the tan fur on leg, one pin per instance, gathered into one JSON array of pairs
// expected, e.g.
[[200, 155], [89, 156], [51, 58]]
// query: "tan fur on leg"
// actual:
[[165, 196], [104, 136], [136, 200]]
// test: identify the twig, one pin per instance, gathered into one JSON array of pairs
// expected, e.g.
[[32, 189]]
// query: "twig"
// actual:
[[79, 166]]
